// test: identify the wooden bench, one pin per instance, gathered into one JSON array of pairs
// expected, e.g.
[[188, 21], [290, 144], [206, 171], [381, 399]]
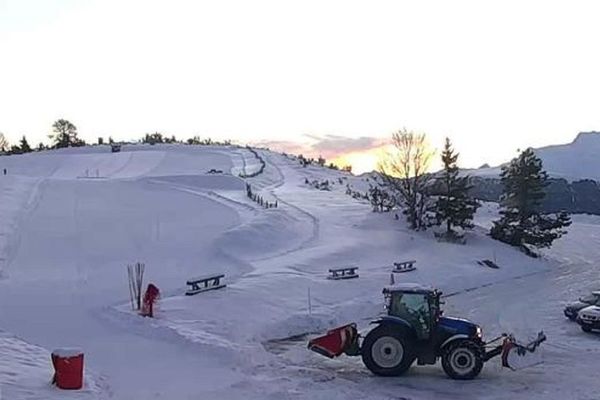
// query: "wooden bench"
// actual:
[[343, 273], [204, 283], [488, 263], [404, 266]]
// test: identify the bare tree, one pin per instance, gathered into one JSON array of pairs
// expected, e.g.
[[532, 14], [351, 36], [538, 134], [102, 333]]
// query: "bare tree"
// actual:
[[404, 171], [4, 146]]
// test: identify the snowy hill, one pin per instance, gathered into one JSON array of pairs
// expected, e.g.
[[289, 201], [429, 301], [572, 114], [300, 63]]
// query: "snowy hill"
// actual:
[[572, 161], [73, 219], [577, 160]]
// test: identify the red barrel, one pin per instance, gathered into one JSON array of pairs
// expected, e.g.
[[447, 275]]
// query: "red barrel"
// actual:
[[68, 368]]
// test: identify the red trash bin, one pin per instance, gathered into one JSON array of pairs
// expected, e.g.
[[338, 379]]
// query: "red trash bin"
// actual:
[[68, 368]]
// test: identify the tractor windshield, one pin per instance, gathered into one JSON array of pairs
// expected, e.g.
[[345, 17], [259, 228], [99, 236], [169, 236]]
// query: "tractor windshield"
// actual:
[[414, 308]]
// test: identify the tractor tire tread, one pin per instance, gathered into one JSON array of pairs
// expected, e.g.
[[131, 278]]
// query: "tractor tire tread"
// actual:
[[399, 334], [446, 364]]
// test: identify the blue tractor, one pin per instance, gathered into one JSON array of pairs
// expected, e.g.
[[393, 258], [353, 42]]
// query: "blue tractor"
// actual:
[[413, 328]]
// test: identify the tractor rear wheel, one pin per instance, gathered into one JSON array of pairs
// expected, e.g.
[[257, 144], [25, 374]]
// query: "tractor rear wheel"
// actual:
[[462, 360], [387, 351]]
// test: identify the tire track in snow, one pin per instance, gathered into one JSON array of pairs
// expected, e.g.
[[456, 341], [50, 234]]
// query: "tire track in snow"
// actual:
[[13, 237], [314, 220]]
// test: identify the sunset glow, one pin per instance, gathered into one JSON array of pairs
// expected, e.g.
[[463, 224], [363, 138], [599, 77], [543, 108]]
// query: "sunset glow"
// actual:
[[335, 78]]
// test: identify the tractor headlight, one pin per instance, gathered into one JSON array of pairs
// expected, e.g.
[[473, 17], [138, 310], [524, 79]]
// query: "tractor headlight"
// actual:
[[478, 332]]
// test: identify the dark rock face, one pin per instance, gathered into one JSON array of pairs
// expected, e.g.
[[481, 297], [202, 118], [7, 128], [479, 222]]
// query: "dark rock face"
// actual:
[[576, 197]]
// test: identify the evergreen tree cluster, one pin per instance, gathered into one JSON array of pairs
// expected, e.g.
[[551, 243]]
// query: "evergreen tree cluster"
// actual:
[[381, 200], [355, 194], [22, 148], [196, 140], [153, 138], [522, 224]]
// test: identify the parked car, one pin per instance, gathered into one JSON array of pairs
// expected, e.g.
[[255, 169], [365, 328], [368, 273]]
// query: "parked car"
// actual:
[[572, 309], [589, 318]]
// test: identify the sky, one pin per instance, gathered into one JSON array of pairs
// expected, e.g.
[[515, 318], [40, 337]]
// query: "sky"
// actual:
[[320, 77]]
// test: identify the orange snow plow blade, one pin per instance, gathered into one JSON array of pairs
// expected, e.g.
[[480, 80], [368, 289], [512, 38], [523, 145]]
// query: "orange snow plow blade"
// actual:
[[336, 341]]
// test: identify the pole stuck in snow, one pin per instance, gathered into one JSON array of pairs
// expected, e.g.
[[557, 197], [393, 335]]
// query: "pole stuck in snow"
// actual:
[[135, 273]]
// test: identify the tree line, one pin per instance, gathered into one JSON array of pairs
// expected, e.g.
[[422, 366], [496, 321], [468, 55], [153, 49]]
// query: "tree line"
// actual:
[[444, 199], [65, 134]]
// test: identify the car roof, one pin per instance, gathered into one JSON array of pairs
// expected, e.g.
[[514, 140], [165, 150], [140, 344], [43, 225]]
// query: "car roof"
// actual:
[[409, 287]]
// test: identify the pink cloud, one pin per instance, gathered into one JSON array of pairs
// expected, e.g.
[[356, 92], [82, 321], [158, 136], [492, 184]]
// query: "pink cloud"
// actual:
[[328, 146]]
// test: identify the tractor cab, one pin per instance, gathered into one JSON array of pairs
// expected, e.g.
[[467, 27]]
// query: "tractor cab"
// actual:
[[418, 305], [418, 309]]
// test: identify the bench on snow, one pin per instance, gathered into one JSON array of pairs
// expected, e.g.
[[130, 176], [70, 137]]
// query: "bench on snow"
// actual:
[[488, 263], [204, 283], [404, 266], [343, 273]]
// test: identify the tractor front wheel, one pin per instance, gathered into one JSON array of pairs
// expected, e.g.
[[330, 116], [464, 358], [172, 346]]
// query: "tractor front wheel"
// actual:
[[386, 351], [462, 360]]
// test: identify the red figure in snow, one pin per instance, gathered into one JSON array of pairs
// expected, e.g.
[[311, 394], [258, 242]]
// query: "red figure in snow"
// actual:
[[150, 297]]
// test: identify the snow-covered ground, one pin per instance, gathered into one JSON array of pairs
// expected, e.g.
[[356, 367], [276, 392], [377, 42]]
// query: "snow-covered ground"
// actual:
[[72, 220], [25, 373]]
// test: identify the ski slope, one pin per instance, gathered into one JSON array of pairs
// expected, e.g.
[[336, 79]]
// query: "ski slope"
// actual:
[[73, 219]]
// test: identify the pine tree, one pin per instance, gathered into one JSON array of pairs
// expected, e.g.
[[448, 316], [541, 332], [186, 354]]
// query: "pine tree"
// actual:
[[25, 148], [454, 206], [522, 224]]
